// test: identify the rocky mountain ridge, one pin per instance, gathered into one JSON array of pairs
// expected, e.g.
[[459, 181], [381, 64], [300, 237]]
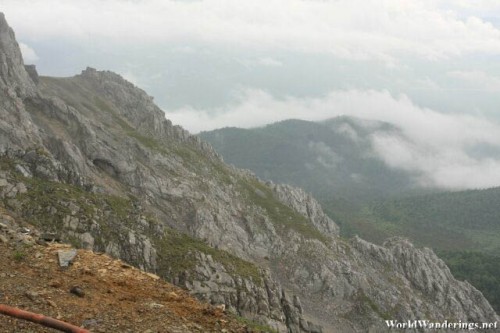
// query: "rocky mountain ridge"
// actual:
[[90, 159]]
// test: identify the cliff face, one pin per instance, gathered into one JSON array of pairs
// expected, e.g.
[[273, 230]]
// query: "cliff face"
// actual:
[[15, 84], [12, 72], [92, 160]]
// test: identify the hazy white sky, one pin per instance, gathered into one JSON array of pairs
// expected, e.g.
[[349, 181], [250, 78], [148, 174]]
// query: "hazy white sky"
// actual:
[[359, 29], [431, 67]]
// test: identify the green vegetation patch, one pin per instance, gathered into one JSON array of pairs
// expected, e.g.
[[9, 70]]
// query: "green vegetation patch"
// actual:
[[460, 211], [255, 327], [367, 301], [178, 254], [46, 203], [481, 270], [279, 213], [7, 164], [19, 255]]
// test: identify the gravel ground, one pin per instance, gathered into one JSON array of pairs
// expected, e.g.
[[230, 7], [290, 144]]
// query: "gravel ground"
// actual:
[[108, 295]]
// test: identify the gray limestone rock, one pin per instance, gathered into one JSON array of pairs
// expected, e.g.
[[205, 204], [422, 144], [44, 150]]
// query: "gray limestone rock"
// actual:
[[13, 75], [32, 72], [15, 85], [306, 205], [3, 239], [66, 257]]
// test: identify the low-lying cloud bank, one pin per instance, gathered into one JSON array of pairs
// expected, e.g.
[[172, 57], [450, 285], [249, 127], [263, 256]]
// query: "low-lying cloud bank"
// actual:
[[443, 150]]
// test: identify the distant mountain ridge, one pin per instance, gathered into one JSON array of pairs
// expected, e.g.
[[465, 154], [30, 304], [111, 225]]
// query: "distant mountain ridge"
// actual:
[[333, 156]]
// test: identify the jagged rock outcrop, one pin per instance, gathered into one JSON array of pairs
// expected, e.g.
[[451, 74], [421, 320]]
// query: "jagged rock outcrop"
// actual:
[[92, 159], [305, 204], [138, 108], [33, 73], [15, 84], [13, 76], [253, 299]]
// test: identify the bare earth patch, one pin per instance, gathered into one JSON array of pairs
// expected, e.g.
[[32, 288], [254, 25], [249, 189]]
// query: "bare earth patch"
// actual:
[[113, 297]]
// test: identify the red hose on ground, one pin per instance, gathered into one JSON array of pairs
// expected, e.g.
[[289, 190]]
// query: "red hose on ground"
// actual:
[[41, 319]]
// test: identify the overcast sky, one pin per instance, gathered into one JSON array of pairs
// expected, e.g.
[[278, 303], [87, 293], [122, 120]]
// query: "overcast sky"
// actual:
[[431, 67]]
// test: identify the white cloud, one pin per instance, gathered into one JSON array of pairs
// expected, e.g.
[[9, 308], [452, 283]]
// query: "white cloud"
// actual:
[[349, 132], [270, 62], [325, 156], [255, 108], [478, 80], [477, 7], [251, 63], [444, 166], [433, 146], [426, 84], [354, 29], [132, 78], [29, 55]]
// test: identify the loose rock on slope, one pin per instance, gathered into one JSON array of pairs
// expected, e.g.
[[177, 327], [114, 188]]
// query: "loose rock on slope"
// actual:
[[113, 296]]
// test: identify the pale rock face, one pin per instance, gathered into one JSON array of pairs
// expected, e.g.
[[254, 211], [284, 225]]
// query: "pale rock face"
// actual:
[[15, 85], [103, 135], [306, 205], [12, 72]]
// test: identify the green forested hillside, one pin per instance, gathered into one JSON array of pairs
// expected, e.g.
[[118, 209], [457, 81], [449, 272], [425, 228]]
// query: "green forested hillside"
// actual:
[[445, 221], [332, 159], [481, 270]]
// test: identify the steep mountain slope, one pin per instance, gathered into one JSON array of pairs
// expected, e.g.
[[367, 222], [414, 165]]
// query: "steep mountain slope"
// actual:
[[112, 296], [97, 164]]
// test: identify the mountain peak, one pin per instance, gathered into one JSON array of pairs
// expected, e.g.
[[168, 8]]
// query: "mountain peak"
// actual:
[[16, 128], [4, 26], [94, 74], [13, 75]]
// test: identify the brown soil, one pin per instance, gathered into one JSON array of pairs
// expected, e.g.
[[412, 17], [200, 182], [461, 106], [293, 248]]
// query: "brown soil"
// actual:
[[118, 298]]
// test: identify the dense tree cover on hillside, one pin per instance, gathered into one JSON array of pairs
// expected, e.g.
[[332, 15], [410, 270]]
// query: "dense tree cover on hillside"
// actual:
[[466, 220], [481, 270], [331, 157], [464, 209]]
